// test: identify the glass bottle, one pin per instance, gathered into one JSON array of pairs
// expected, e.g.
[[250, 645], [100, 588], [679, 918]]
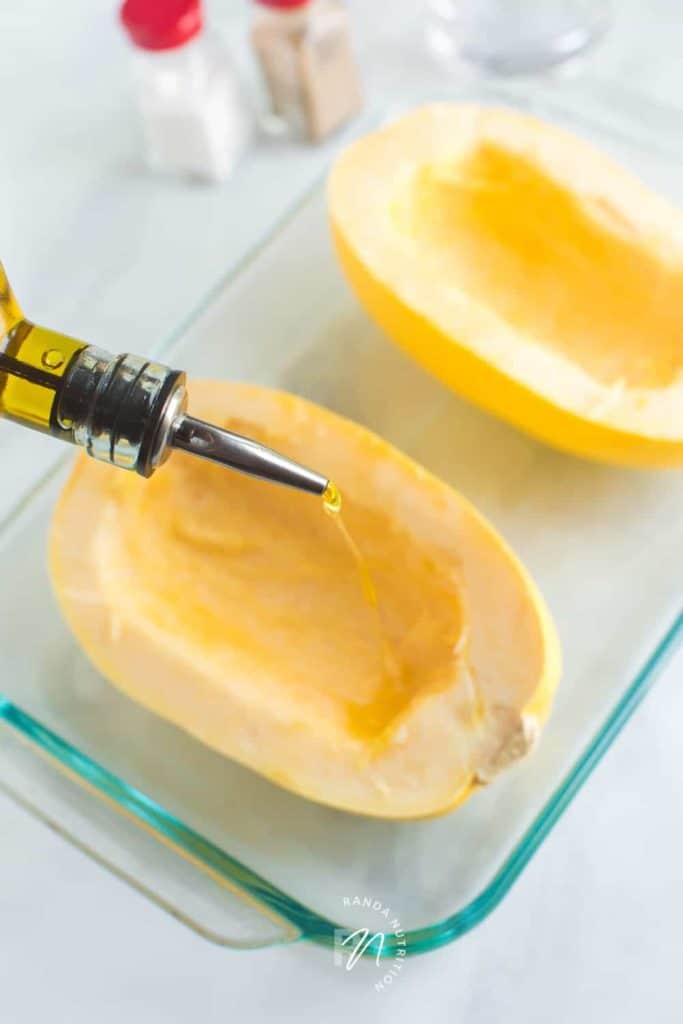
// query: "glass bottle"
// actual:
[[124, 410]]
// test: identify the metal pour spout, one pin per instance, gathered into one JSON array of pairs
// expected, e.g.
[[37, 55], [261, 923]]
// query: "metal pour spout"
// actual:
[[243, 454], [130, 412], [123, 410]]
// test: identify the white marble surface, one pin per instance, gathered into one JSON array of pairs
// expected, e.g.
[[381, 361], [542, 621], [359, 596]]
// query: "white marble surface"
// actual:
[[591, 931]]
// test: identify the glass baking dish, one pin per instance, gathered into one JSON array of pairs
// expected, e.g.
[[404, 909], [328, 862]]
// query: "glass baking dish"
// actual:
[[246, 863]]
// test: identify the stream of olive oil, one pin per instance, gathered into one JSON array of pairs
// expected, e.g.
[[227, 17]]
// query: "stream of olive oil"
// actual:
[[332, 503]]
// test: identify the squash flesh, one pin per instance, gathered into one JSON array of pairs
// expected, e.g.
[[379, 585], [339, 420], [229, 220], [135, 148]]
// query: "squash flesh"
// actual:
[[496, 222], [240, 536], [478, 235], [232, 608]]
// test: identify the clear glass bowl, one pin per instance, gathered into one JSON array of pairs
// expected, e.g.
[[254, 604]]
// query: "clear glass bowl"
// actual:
[[513, 37], [240, 860]]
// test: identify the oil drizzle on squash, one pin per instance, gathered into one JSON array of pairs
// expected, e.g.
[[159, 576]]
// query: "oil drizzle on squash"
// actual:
[[391, 666], [332, 502]]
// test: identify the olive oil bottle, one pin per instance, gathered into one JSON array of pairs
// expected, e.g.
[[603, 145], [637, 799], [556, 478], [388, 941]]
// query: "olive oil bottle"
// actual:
[[33, 361], [124, 410]]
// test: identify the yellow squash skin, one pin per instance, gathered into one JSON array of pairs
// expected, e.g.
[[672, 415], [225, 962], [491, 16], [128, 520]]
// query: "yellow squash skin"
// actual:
[[525, 270], [232, 608]]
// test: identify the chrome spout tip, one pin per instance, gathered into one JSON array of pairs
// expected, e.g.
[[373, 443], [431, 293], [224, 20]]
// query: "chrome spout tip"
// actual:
[[244, 455]]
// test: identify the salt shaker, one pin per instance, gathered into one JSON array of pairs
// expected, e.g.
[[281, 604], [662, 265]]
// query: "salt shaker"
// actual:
[[195, 122], [304, 51]]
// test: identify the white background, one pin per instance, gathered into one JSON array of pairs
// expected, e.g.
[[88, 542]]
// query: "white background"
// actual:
[[95, 247]]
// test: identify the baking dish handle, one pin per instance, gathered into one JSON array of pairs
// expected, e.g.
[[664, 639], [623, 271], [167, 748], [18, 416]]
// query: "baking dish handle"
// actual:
[[136, 839]]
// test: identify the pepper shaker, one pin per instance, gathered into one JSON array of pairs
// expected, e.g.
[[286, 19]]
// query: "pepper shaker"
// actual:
[[304, 51]]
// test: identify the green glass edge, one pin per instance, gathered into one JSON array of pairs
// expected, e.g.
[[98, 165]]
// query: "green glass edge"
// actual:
[[312, 926]]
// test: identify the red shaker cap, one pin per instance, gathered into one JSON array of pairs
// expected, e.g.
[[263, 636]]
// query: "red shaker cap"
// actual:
[[283, 5], [161, 24]]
